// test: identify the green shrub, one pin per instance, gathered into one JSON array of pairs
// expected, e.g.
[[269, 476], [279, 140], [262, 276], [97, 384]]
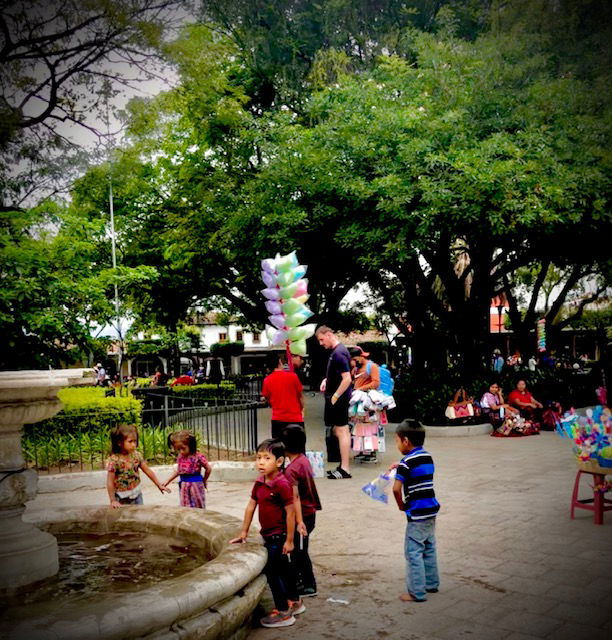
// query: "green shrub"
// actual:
[[87, 409], [205, 391]]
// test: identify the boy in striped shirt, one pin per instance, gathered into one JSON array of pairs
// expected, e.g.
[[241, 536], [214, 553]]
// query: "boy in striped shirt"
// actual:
[[414, 494]]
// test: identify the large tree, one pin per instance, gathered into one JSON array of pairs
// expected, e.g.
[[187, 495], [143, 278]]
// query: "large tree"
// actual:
[[448, 175], [56, 286], [63, 63], [434, 175]]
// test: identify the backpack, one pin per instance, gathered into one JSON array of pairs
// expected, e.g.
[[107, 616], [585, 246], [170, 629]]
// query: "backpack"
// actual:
[[386, 379]]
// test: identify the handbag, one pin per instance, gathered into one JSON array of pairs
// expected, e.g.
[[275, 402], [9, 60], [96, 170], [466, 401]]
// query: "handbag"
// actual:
[[460, 406], [332, 445]]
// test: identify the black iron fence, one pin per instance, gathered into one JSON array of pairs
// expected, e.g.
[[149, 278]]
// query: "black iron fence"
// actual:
[[225, 429]]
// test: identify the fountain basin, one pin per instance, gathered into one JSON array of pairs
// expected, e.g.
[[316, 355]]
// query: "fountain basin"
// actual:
[[215, 600]]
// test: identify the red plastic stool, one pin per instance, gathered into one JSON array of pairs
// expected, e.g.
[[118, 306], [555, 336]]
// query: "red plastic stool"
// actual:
[[598, 503]]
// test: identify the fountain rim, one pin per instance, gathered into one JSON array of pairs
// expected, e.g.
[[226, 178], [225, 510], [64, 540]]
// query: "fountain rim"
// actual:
[[232, 568]]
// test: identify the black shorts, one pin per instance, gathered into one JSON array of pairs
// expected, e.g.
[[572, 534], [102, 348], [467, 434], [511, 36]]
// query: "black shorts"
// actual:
[[336, 415], [279, 425]]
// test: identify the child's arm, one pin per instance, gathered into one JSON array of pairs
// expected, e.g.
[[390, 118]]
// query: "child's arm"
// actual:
[[207, 472], [397, 493], [246, 523], [299, 517], [110, 487], [171, 478], [288, 546], [151, 474]]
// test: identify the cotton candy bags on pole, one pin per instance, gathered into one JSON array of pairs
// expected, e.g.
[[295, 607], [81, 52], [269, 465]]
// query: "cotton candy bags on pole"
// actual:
[[286, 295]]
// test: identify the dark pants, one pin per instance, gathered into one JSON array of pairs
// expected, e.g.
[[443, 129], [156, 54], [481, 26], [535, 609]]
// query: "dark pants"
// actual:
[[136, 500], [305, 576], [279, 425], [280, 572]]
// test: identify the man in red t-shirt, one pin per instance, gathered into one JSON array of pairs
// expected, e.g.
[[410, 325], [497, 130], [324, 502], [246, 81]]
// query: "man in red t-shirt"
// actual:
[[524, 401], [282, 390]]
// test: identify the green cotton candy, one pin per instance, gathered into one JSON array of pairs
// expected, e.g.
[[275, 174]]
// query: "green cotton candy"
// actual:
[[302, 333], [296, 319], [292, 306], [288, 292], [286, 263], [298, 348], [286, 278]]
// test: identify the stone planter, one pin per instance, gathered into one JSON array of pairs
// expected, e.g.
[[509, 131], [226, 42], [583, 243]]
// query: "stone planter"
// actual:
[[211, 602], [439, 431]]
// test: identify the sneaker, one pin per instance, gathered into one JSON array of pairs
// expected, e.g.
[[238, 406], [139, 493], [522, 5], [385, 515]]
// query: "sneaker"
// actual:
[[278, 619], [296, 607], [308, 592]]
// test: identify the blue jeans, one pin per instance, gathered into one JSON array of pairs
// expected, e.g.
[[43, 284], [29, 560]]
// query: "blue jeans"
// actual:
[[421, 560]]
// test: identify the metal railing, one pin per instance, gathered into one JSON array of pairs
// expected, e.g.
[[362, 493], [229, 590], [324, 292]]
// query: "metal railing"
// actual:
[[224, 429]]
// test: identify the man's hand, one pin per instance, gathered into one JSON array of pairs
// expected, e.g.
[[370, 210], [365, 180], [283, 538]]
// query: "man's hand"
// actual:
[[323, 385]]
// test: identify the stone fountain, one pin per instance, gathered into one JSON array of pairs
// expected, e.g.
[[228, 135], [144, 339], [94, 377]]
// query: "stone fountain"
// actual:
[[26, 553], [214, 601]]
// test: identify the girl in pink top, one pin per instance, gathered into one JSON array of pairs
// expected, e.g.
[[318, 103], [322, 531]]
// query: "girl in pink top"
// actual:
[[190, 463]]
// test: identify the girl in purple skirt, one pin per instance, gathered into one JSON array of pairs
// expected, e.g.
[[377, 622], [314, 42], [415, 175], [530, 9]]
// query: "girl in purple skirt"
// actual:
[[190, 463]]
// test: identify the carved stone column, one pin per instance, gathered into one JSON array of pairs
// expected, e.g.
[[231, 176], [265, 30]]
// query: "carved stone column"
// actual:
[[26, 397]]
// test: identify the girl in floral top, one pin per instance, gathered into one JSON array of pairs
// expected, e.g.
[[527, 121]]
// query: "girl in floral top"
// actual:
[[190, 463], [123, 479]]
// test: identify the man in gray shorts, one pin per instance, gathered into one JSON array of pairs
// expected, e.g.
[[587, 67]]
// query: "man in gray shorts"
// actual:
[[337, 389]]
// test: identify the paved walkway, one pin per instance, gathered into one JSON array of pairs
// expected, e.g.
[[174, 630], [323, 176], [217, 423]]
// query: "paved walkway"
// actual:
[[513, 565]]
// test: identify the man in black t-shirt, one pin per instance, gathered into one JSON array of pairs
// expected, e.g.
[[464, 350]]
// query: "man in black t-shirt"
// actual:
[[337, 389]]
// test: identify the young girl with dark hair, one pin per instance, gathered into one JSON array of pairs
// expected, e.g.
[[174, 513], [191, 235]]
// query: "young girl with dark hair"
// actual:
[[190, 462], [123, 465]]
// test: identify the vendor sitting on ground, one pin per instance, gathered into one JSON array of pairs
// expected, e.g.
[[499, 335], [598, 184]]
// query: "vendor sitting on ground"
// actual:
[[493, 406], [522, 399]]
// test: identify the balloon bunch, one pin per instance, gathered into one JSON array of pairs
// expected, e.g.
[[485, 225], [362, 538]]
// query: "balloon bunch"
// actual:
[[286, 294], [541, 333]]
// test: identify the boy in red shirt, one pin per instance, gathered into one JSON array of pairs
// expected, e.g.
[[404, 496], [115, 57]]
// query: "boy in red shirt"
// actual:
[[282, 390], [273, 495], [307, 503]]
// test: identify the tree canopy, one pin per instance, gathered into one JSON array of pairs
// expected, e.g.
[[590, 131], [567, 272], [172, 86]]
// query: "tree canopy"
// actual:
[[437, 152]]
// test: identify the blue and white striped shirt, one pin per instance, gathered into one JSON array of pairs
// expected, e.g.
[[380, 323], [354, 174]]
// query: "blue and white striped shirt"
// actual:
[[416, 471]]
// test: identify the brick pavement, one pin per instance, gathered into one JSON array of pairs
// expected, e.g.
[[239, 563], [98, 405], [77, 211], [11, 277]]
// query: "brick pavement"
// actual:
[[513, 565]]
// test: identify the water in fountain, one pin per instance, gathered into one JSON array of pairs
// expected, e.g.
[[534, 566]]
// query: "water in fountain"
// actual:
[[116, 562]]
